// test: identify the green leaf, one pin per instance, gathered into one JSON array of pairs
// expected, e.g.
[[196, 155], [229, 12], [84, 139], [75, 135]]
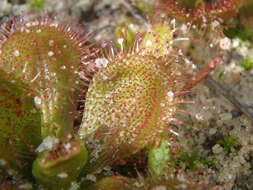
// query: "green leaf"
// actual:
[[20, 125], [158, 159], [57, 168], [229, 142]]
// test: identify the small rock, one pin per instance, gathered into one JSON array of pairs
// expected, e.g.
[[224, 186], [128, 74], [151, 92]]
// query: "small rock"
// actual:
[[225, 43], [161, 187], [212, 131], [5, 8], [25, 186], [217, 149], [62, 175], [226, 116], [91, 177]]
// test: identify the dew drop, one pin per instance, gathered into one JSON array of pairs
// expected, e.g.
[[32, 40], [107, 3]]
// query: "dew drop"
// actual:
[[54, 25], [50, 53], [62, 175], [235, 43], [15, 53], [63, 67], [170, 95], [37, 101], [199, 117], [148, 43], [51, 43], [162, 104], [28, 24], [67, 146], [101, 62], [120, 40]]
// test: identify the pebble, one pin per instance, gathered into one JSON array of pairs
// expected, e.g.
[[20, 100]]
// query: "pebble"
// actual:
[[62, 175], [225, 43], [25, 186], [217, 149], [212, 131], [226, 116], [161, 187], [91, 177], [5, 8]]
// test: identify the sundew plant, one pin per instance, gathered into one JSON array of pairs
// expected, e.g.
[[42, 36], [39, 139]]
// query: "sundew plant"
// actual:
[[79, 113]]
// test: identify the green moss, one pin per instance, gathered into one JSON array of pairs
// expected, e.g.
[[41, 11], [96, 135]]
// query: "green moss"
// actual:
[[37, 4], [229, 142], [192, 160], [246, 63], [241, 32], [210, 162]]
